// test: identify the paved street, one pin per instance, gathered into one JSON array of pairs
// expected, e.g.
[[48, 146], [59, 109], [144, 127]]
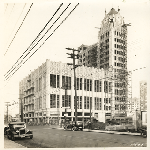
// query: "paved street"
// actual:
[[45, 137]]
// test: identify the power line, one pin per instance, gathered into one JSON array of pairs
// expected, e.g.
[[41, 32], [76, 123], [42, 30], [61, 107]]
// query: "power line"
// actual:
[[10, 12], [45, 40], [17, 20], [18, 28], [32, 42]]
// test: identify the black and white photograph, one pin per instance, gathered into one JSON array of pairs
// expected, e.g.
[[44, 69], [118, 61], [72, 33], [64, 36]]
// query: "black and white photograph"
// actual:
[[74, 74]]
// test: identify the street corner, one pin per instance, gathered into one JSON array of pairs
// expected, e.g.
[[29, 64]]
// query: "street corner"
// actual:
[[11, 144]]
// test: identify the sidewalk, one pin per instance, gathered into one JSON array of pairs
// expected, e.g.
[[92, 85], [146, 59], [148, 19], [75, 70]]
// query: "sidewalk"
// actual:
[[11, 144], [101, 131]]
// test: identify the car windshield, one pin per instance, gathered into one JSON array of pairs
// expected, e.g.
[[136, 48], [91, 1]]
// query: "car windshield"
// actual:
[[15, 126]]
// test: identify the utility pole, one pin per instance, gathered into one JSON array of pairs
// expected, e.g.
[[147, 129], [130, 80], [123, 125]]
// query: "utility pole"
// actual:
[[7, 111], [72, 55], [65, 102], [21, 108]]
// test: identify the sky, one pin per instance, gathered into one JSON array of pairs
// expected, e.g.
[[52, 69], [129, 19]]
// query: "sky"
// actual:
[[77, 29]]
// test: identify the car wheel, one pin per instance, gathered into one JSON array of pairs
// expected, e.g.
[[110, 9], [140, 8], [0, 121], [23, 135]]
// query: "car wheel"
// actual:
[[31, 136], [13, 138], [74, 129], [64, 127], [8, 136]]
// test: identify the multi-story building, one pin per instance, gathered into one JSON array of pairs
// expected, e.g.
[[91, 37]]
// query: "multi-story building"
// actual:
[[88, 55], [143, 95], [135, 104], [42, 93], [110, 53]]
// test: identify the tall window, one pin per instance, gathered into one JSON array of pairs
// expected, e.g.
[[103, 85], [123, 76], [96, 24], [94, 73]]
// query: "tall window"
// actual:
[[90, 85], [66, 82], [77, 81], [85, 84], [66, 101], [85, 102], [57, 101], [97, 86], [100, 86], [57, 81], [52, 100], [105, 86], [80, 83], [97, 103], [53, 80], [80, 102]]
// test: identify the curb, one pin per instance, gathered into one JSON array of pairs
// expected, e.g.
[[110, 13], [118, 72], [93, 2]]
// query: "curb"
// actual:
[[108, 132], [113, 132]]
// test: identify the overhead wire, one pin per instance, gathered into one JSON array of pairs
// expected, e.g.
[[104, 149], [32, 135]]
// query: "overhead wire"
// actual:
[[19, 28], [32, 41], [10, 13], [17, 20], [45, 40]]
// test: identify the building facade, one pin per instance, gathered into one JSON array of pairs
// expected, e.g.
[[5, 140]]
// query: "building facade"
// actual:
[[42, 93], [110, 53], [143, 95]]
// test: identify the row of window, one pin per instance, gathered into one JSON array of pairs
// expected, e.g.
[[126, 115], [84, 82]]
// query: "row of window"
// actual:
[[66, 102], [119, 46], [107, 100], [66, 83], [120, 107], [121, 99], [119, 70], [119, 58], [119, 40], [104, 47], [122, 84], [107, 107], [119, 52], [103, 36], [54, 81], [120, 92], [117, 33], [119, 64]]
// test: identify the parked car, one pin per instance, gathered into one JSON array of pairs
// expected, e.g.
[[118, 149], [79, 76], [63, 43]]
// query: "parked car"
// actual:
[[18, 130], [74, 126], [142, 130], [5, 129]]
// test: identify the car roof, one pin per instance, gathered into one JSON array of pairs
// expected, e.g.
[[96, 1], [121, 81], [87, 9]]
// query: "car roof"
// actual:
[[17, 123]]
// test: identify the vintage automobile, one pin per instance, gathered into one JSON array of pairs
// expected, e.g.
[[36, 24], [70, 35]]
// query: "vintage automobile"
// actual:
[[142, 130], [5, 129], [18, 130], [74, 126]]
